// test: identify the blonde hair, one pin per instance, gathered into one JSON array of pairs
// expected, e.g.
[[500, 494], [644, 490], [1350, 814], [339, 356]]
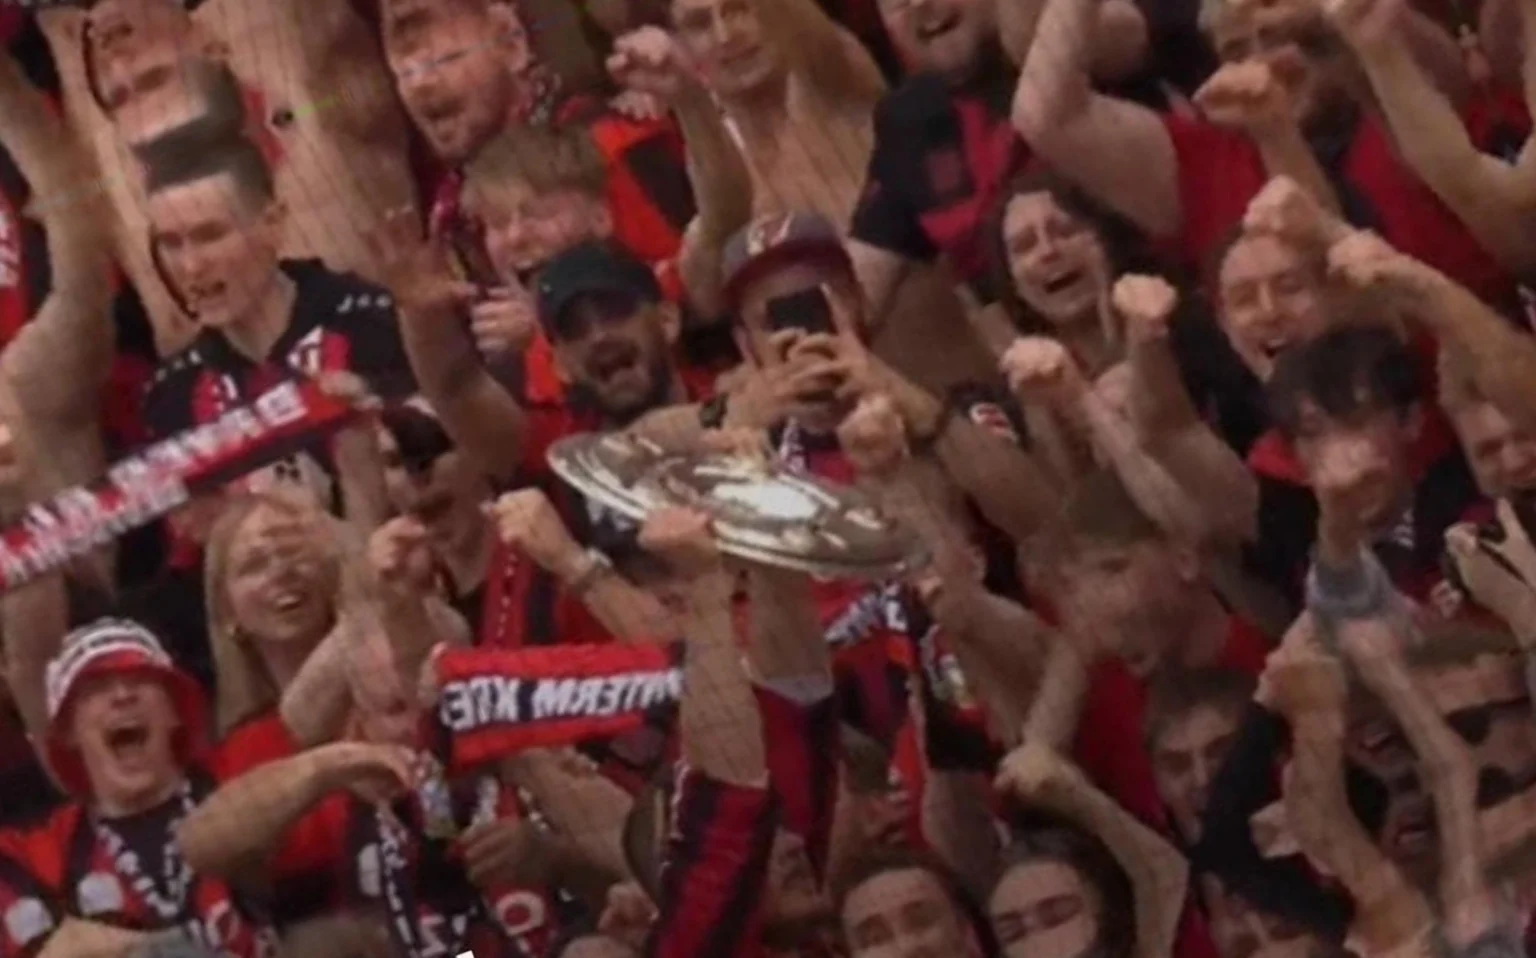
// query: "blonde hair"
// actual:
[[243, 682], [548, 160]]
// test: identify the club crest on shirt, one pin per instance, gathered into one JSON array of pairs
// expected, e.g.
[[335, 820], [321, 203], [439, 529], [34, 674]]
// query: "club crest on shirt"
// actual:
[[100, 894], [27, 920]]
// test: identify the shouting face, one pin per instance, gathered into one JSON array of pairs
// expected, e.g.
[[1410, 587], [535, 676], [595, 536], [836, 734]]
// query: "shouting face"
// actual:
[[455, 65], [124, 726], [1057, 262], [940, 36], [279, 589], [524, 228], [218, 244], [617, 351], [1271, 297]]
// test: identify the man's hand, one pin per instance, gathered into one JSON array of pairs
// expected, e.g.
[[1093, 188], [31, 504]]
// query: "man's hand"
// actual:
[[1245, 96], [1304, 683], [504, 323], [1040, 369], [767, 395], [1146, 303], [1500, 575], [1344, 482], [502, 853], [400, 557], [682, 538], [1367, 24], [529, 522], [1363, 258], [420, 276], [874, 436], [628, 915], [1284, 210], [1032, 768], [376, 773], [648, 62]]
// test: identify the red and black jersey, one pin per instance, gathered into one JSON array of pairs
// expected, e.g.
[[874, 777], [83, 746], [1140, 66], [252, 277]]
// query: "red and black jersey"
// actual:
[[372, 859], [714, 870], [942, 157], [126, 872], [340, 323], [803, 753]]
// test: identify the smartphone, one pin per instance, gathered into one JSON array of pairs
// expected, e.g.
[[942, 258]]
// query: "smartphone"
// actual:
[[808, 311]]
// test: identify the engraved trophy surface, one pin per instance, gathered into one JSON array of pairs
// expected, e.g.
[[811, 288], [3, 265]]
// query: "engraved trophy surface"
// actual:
[[762, 511]]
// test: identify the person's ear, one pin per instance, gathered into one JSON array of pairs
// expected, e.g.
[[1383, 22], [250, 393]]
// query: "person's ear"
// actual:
[[563, 371], [744, 344], [272, 220], [1186, 562]]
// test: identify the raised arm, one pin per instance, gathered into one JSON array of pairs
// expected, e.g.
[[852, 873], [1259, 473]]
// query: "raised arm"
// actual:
[[239, 830], [1499, 359], [477, 412], [1159, 874], [1117, 150], [830, 59], [60, 362], [648, 61], [1491, 195]]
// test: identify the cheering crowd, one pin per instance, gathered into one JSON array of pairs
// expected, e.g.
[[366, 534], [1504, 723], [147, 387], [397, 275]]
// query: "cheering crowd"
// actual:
[[1190, 340]]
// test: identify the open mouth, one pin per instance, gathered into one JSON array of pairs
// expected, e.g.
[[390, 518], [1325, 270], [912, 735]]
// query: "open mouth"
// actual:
[[125, 740], [610, 363], [1063, 281], [290, 600], [933, 29], [205, 292]]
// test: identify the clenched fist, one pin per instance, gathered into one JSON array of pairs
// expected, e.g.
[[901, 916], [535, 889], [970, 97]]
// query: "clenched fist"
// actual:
[[1363, 258], [648, 62], [683, 539], [874, 436], [1041, 369], [503, 323], [1245, 96], [529, 522], [1146, 303], [1030, 769], [400, 557], [1285, 210]]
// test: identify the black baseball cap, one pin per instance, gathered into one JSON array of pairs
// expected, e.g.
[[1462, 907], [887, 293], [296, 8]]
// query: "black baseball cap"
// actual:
[[591, 268]]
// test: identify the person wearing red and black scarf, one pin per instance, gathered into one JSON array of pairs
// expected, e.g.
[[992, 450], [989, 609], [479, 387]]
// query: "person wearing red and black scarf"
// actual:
[[263, 319], [466, 71], [125, 740]]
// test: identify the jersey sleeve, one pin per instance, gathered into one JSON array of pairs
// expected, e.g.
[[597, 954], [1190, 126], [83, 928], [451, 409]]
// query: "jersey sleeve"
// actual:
[[716, 866], [378, 352], [884, 217], [801, 734], [29, 912]]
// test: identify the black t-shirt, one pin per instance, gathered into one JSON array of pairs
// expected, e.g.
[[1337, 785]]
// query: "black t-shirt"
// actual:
[[942, 156]]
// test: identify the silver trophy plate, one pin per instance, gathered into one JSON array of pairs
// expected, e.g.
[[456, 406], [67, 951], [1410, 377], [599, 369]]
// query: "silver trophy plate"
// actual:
[[761, 511]]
